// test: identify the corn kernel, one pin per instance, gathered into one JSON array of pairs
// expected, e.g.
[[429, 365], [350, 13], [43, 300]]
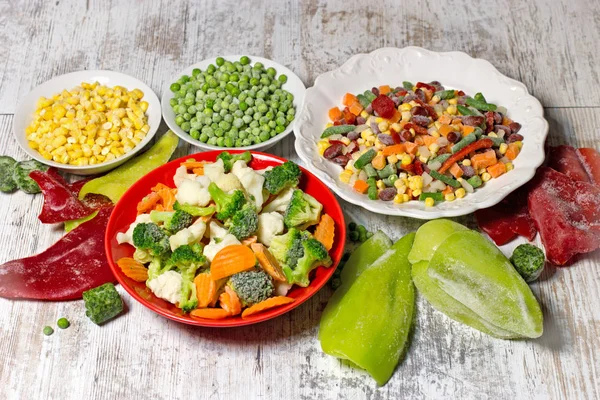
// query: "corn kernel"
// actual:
[[383, 126], [492, 134], [449, 197], [519, 144], [406, 115], [434, 133], [406, 160], [481, 171], [364, 114], [405, 107], [434, 147], [503, 148], [466, 162], [405, 197], [396, 127], [392, 159], [453, 101], [423, 159], [429, 202], [344, 140], [380, 184], [144, 106], [509, 166], [322, 145], [416, 193], [460, 193], [398, 199], [486, 176], [451, 109]]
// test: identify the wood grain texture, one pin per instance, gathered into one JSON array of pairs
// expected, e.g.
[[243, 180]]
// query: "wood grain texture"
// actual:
[[549, 45]]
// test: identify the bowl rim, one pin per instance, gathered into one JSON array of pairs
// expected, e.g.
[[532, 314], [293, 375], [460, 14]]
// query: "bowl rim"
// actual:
[[29, 97], [398, 210], [228, 322], [281, 69]]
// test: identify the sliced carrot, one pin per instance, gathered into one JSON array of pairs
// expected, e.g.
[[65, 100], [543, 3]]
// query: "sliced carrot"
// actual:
[[384, 89], [456, 171], [396, 117], [133, 269], [484, 160], [468, 129], [325, 231], [148, 203], [191, 164], [210, 313], [230, 301], [335, 114], [266, 305], [445, 130], [249, 240], [159, 187], [456, 121], [349, 99], [378, 162], [361, 186], [158, 207], [497, 169], [198, 171], [448, 190], [356, 108], [445, 119], [267, 262], [207, 289], [411, 148], [231, 260], [168, 198], [513, 151], [394, 149], [429, 140]]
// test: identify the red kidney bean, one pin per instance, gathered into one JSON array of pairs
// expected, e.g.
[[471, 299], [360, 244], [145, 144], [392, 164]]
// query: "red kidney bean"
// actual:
[[341, 160], [352, 147], [387, 194], [461, 100], [420, 94], [385, 139], [442, 150], [418, 110], [515, 127], [489, 121], [472, 120], [375, 91], [452, 137], [353, 135], [405, 136], [360, 121], [438, 86], [497, 118], [375, 127], [515, 137], [369, 109], [396, 101], [420, 120], [468, 171], [506, 129], [333, 151], [410, 96]]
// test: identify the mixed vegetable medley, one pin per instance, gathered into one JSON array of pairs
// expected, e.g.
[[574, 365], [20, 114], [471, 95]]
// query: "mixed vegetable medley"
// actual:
[[232, 104], [228, 239], [420, 142]]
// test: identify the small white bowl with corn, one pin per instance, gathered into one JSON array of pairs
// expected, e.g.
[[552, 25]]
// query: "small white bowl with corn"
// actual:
[[87, 122]]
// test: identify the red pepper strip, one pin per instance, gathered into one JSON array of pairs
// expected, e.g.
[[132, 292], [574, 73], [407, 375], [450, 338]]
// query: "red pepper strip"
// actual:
[[72, 265], [427, 107], [459, 155], [60, 203], [419, 130], [426, 86]]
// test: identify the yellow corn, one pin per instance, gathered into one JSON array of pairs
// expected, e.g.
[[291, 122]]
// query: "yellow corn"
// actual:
[[460, 193], [509, 166], [399, 199], [380, 184], [405, 197], [434, 147], [416, 193], [321, 146], [345, 175], [503, 148], [406, 160], [449, 197], [451, 109], [453, 102], [466, 162], [486, 177], [429, 202]]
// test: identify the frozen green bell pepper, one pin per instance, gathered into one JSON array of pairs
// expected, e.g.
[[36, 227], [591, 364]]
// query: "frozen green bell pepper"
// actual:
[[369, 326], [429, 236], [114, 184]]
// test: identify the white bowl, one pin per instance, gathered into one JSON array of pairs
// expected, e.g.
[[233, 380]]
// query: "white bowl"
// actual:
[[27, 105], [293, 85], [391, 66]]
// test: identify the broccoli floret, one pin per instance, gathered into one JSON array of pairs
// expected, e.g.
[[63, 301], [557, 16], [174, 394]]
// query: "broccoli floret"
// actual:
[[173, 221], [287, 248], [159, 265], [282, 176], [229, 159], [194, 211], [529, 261], [188, 259], [150, 237], [315, 254], [244, 222], [227, 204], [303, 210], [251, 286]]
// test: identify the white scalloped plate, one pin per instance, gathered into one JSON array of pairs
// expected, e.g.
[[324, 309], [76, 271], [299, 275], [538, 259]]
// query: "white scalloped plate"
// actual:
[[391, 66]]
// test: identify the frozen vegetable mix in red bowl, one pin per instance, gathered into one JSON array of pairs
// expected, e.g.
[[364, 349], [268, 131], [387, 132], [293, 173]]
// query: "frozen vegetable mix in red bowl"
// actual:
[[224, 239]]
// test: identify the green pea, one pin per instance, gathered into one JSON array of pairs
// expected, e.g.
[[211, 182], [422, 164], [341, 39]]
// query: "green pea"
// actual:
[[194, 133], [264, 136], [271, 71], [213, 83], [48, 330], [229, 142], [186, 126], [246, 142], [224, 125], [244, 60], [175, 87], [63, 323], [239, 143], [204, 138], [282, 78], [205, 87], [290, 117], [220, 61], [224, 77], [196, 72], [281, 121], [173, 102], [179, 120], [234, 77], [243, 106], [279, 128]]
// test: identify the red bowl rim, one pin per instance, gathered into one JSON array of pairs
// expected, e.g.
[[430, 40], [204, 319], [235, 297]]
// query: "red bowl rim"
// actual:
[[227, 322]]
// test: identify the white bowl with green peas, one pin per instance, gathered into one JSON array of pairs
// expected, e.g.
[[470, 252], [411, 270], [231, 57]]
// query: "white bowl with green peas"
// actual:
[[233, 102]]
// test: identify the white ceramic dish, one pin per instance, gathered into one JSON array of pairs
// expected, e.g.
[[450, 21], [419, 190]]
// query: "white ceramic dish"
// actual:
[[293, 85], [457, 70], [26, 108]]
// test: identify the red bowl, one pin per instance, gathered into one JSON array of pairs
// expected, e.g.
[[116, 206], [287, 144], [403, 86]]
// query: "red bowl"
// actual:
[[125, 212]]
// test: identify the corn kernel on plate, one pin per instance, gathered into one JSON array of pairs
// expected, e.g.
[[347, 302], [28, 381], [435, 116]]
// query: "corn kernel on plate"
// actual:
[[392, 66], [87, 122]]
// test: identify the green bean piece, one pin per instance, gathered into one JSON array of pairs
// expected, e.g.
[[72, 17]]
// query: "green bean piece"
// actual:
[[48, 330], [386, 171], [387, 181], [445, 94], [372, 181], [480, 105], [464, 110], [475, 181], [337, 130], [365, 158], [407, 85], [369, 95], [497, 141], [370, 171], [464, 142], [446, 179], [362, 99], [436, 196], [479, 97], [373, 194], [478, 132], [63, 323]]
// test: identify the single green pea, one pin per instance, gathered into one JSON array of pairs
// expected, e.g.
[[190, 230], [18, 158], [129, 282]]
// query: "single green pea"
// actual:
[[175, 87], [213, 83], [173, 102], [271, 71], [179, 120], [196, 72], [264, 136], [220, 61], [212, 141], [220, 141], [244, 60], [229, 142], [283, 78], [195, 133], [258, 66], [279, 128], [63, 323], [186, 126], [48, 330], [204, 138]]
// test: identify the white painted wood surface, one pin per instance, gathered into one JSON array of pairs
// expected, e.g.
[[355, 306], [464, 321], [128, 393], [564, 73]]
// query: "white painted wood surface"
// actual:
[[550, 45]]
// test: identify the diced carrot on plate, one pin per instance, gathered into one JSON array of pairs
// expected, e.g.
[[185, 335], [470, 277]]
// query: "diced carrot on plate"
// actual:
[[266, 305]]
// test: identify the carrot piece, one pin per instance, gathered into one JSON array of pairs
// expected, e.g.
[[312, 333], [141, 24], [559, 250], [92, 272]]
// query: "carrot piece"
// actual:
[[210, 313], [484, 160], [267, 262], [513, 151], [158, 207], [159, 187], [249, 240], [497, 169], [356, 108], [207, 289], [456, 121], [231, 260], [445, 130], [361, 186], [266, 305], [148, 203], [349, 99], [396, 117], [198, 171], [335, 114], [325, 231], [193, 164], [394, 149], [384, 89], [168, 198], [378, 162], [468, 129], [230, 301], [429, 140], [448, 190], [133, 269], [445, 119], [456, 171], [411, 148], [459, 155]]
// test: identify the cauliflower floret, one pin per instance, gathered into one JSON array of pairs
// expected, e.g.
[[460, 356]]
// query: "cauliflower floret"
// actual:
[[280, 202], [215, 230], [214, 170], [250, 180], [167, 286], [127, 237], [192, 193], [282, 288], [269, 225], [262, 171], [181, 175], [189, 235], [228, 182], [211, 249], [203, 180]]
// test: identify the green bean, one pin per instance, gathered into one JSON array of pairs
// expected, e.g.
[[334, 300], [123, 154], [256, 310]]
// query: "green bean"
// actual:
[[365, 158], [446, 179], [436, 196], [372, 181], [464, 110], [337, 130], [442, 157], [373, 194], [497, 141], [480, 105], [445, 94], [362, 99], [370, 171], [479, 97], [369, 95], [464, 142], [407, 85], [475, 181], [386, 171]]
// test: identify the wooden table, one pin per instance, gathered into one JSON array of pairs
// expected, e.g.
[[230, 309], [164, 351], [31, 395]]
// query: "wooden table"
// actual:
[[550, 45]]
